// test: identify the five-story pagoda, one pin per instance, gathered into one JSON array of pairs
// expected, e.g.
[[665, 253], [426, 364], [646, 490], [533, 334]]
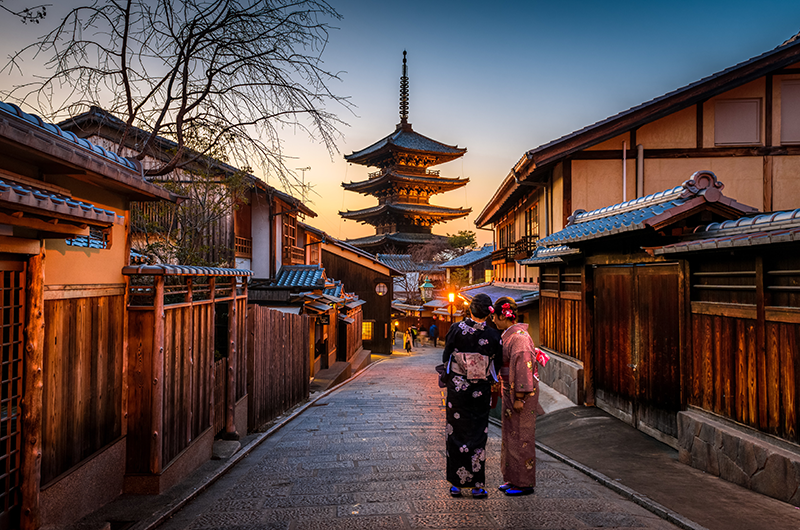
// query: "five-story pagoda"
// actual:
[[403, 185]]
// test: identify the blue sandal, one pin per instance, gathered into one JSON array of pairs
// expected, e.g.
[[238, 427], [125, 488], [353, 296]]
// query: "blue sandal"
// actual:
[[479, 493], [455, 492], [514, 491]]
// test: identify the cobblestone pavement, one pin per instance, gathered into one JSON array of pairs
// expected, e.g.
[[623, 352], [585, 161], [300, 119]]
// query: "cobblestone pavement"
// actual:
[[370, 455]]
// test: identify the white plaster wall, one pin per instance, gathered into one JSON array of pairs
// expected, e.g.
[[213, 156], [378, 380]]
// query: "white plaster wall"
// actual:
[[260, 262]]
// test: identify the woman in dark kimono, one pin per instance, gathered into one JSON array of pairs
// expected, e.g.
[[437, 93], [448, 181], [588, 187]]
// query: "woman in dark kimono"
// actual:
[[472, 354], [519, 374]]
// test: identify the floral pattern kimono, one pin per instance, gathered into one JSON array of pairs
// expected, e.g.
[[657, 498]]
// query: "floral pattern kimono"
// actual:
[[519, 375], [468, 400]]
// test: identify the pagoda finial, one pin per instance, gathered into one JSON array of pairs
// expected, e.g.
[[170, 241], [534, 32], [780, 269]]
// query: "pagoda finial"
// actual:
[[404, 93]]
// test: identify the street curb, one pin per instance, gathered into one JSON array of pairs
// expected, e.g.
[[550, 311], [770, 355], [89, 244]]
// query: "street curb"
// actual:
[[169, 510], [642, 500]]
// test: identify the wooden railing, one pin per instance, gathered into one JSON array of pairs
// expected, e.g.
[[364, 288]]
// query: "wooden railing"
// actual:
[[505, 255], [525, 246], [294, 256], [243, 247]]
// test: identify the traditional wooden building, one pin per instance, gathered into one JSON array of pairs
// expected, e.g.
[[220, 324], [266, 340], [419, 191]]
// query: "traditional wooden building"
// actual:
[[477, 265], [741, 122], [684, 329], [403, 185], [258, 232], [64, 241], [364, 275]]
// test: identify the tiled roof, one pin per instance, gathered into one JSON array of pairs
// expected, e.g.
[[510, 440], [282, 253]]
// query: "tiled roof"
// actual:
[[395, 237], [765, 229], [303, 276], [405, 138], [522, 297], [182, 270], [544, 255], [335, 290], [392, 175], [32, 197], [469, 258], [407, 208], [10, 108], [404, 263], [640, 213]]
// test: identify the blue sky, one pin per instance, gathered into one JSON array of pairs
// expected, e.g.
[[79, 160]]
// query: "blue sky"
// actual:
[[503, 77]]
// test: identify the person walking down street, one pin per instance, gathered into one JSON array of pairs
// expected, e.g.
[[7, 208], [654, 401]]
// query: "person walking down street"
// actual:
[[472, 355], [414, 333], [433, 331], [407, 341], [520, 378]]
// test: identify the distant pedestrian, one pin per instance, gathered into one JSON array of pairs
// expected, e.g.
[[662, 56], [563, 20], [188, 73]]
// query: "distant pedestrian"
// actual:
[[433, 331], [473, 354], [520, 377], [407, 341], [414, 333]]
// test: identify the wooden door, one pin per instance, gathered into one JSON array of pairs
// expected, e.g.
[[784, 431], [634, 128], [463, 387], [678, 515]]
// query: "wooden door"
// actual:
[[12, 340], [637, 345]]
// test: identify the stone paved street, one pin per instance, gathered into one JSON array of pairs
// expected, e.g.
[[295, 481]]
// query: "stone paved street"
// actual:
[[371, 455]]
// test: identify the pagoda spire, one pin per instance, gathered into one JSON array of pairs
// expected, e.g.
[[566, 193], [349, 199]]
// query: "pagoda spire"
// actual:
[[404, 93]]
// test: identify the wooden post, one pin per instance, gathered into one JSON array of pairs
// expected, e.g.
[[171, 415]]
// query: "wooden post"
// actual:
[[212, 414], [31, 465], [230, 410], [157, 401]]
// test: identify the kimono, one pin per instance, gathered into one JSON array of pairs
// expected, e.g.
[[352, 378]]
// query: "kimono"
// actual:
[[467, 406], [519, 374]]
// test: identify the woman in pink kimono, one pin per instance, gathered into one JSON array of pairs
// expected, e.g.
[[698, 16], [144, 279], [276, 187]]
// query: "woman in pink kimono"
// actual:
[[520, 379]]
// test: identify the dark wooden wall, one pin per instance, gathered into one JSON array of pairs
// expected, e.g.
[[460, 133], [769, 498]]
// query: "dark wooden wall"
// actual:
[[82, 394], [745, 349], [362, 280], [277, 363], [562, 311]]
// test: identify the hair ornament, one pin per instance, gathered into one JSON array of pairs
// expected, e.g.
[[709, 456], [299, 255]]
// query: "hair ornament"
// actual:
[[491, 309]]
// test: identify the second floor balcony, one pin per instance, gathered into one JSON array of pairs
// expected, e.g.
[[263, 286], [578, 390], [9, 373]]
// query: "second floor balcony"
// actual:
[[294, 256], [525, 246], [503, 255]]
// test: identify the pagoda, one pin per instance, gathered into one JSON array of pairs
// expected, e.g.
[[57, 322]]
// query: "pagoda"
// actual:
[[403, 185]]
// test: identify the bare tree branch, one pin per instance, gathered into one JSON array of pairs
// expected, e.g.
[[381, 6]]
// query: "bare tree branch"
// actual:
[[237, 71], [28, 14]]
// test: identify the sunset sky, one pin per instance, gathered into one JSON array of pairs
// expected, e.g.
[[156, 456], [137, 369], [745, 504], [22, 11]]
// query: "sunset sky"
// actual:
[[502, 77]]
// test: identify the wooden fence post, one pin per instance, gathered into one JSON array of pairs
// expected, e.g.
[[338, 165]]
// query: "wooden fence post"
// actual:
[[31, 465], [157, 401], [230, 410]]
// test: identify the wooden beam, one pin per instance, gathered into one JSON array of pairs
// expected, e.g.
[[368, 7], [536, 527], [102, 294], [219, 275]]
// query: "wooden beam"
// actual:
[[230, 409], [686, 152], [33, 384], [19, 245], [567, 191], [20, 219], [768, 112], [157, 398], [699, 125], [768, 174]]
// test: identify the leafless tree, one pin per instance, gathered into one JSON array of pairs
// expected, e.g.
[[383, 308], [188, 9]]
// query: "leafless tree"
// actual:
[[234, 71], [27, 14]]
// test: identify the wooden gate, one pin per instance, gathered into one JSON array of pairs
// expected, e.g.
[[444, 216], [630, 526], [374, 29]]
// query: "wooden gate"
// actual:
[[12, 320], [637, 345]]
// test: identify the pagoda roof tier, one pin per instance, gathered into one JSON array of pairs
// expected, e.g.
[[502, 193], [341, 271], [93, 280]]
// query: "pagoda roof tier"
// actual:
[[435, 213], [420, 150], [432, 182], [395, 239]]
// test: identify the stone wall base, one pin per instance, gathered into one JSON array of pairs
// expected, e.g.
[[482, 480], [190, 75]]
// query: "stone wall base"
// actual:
[[565, 375], [740, 455]]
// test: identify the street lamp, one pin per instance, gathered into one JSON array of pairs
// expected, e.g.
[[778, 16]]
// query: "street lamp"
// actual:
[[450, 307]]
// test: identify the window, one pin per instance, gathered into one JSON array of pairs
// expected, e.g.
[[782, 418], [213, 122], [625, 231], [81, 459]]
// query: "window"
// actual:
[[97, 238], [506, 235], [381, 289], [367, 330], [532, 221], [790, 112], [289, 231], [737, 122]]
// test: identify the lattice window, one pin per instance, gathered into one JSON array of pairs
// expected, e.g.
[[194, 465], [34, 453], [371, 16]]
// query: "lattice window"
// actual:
[[367, 330], [12, 320], [532, 221]]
